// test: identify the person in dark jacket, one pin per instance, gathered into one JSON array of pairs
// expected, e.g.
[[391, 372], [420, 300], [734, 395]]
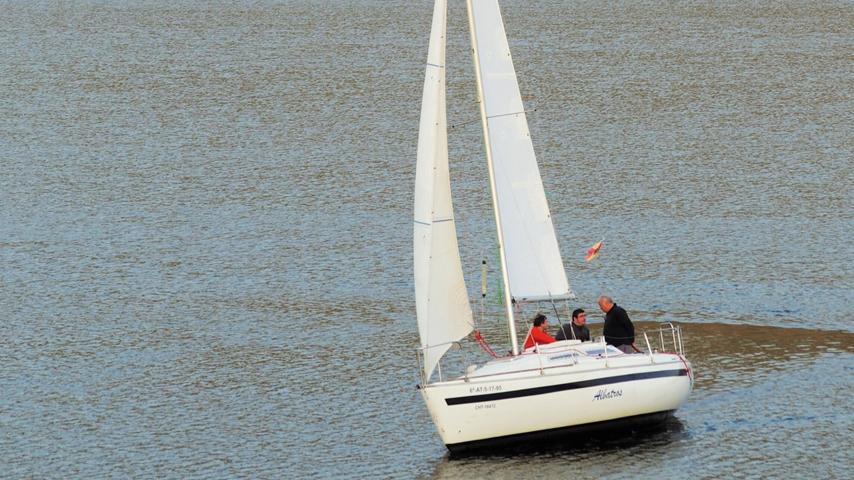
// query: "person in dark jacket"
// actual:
[[575, 330], [619, 331]]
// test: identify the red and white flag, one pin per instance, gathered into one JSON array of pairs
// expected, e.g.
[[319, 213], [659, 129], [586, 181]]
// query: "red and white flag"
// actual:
[[594, 250]]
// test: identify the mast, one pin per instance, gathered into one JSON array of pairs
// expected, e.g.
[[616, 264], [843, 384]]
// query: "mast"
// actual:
[[508, 299]]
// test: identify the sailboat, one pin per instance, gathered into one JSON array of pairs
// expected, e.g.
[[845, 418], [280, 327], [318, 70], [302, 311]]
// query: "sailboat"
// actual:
[[564, 388]]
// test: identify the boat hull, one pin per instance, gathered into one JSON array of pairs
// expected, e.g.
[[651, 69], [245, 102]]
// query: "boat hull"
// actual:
[[575, 432], [520, 406]]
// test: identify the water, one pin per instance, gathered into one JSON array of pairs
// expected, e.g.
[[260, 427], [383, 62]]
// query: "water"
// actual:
[[206, 230]]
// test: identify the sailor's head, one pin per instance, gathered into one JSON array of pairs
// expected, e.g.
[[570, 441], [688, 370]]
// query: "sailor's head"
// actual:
[[540, 320], [579, 317], [605, 303]]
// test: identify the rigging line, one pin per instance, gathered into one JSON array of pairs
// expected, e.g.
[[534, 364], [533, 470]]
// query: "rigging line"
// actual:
[[466, 247], [520, 313], [483, 288], [499, 288], [557, 314], [463, 124], [486, 346]]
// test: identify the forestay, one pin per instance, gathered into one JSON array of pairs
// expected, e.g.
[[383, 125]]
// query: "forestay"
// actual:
[[534, 265], [441, 299]]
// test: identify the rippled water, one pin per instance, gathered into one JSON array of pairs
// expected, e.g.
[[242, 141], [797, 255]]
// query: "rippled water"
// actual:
[[205, 228]]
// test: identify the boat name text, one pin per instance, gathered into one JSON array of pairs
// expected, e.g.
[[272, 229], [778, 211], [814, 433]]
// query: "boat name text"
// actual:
[[606, 394]]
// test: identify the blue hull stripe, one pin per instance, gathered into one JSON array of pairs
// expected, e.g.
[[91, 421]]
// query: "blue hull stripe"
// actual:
[[491, 397]]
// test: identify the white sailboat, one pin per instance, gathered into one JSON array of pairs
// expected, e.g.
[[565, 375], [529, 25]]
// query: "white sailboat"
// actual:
[[561, 388]]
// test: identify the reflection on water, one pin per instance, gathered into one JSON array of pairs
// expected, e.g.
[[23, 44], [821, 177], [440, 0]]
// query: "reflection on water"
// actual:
[[598, 444], [553, 457]]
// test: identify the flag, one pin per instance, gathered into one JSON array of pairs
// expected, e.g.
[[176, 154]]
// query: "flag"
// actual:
[[594, 250]]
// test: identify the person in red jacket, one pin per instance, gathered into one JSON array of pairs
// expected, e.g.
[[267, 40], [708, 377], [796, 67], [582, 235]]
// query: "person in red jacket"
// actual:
[[538, 334]]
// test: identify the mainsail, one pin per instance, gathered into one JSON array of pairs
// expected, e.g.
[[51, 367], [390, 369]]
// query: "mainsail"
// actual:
[[534, 265], [441, 298]]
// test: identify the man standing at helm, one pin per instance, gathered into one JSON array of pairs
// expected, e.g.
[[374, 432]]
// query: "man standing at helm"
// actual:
[[619, 330]]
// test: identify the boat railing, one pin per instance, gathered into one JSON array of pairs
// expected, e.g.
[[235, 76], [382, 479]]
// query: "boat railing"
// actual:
[[421, 352], [669, 339], [605, 351]]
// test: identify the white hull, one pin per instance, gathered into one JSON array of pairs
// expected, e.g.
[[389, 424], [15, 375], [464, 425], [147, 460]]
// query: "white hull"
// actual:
[[568, 385], [512, 397]]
